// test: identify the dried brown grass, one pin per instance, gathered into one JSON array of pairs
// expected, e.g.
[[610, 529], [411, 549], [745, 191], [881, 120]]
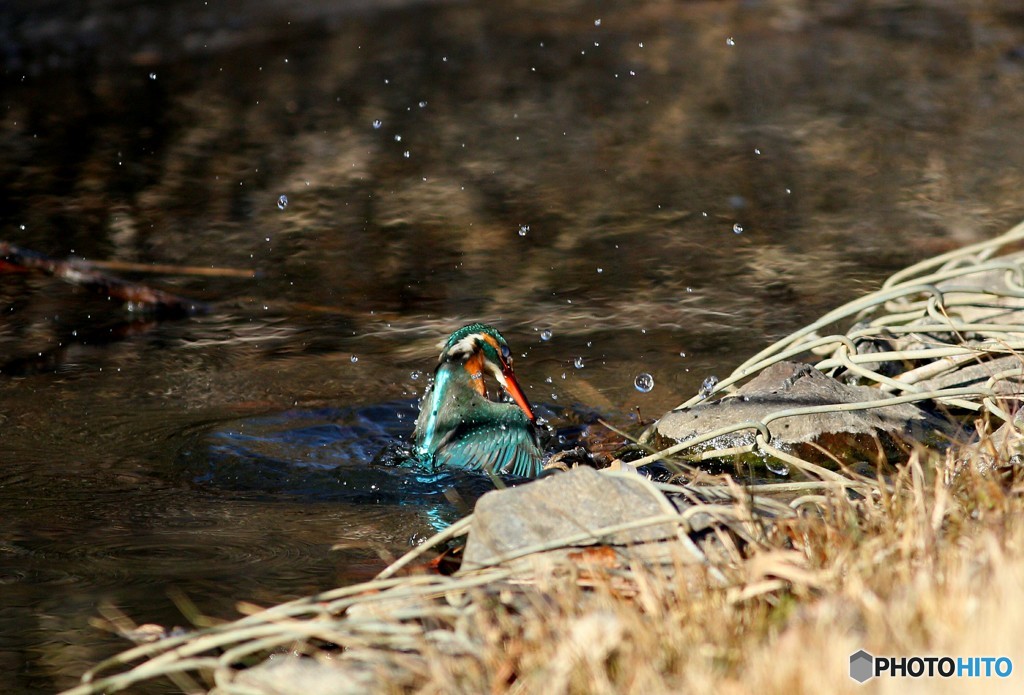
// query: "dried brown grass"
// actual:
[[932, 567]]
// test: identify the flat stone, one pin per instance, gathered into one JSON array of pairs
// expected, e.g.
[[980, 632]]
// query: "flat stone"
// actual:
[[795, 385], [998, 302], [299, 676], [558, 508], [975, 374]]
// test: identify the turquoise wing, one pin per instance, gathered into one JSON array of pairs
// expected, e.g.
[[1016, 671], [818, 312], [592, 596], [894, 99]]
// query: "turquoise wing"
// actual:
[[494, 448]]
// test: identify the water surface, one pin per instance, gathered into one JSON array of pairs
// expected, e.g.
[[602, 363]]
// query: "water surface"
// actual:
[[665, 187]]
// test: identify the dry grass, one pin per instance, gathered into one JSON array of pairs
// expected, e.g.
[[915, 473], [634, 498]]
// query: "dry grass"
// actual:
[[930, 569]]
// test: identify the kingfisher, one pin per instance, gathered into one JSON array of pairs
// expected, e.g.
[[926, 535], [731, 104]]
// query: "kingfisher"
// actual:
[[459, 426]]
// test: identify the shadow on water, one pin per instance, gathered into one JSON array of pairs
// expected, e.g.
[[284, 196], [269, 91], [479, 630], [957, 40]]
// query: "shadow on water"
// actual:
[[352, 455], [358, 456], [320, 454]]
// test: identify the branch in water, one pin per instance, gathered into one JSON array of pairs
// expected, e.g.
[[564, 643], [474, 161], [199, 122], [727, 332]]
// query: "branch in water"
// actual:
[[143, 297]]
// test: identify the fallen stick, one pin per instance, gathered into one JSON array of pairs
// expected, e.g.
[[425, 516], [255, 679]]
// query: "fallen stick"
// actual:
[[163, 269], [138, 296]]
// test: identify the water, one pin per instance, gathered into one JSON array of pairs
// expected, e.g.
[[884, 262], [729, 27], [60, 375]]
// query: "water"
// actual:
[[708, 385], [644, 382], [126, 473]]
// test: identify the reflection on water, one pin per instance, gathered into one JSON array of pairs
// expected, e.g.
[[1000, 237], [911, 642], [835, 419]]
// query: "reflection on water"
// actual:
[[639, 194]]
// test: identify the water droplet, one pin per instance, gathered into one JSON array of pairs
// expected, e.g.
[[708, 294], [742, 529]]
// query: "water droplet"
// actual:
[[708, 386], [549, 380], [377, 124], [152, 75], [578, 363], [398, 138], [353, 359], [406, 154], [423, 104], [737, 228], [682, 354], [757, 151], [524, 229], [597, 22], [730, 41], [545, 335], [600, 270], [776, 466], [415, 375], [641, 44], [789, 191], [644, 382], [554, 396], [282, 201]]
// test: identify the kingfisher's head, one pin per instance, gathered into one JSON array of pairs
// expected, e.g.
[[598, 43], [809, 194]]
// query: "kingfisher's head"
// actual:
[[482, 351]]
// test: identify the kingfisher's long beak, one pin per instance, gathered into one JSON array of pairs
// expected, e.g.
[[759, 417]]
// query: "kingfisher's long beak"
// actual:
[[510, 384]]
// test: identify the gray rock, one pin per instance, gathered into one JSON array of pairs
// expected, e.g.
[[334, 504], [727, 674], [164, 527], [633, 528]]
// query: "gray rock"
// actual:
[[975, 374], [997, 302], [560, 507], [793, 385], [290, 675]]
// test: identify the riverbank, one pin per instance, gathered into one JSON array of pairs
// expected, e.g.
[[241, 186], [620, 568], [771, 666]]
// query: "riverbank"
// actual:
[[714, 585]]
